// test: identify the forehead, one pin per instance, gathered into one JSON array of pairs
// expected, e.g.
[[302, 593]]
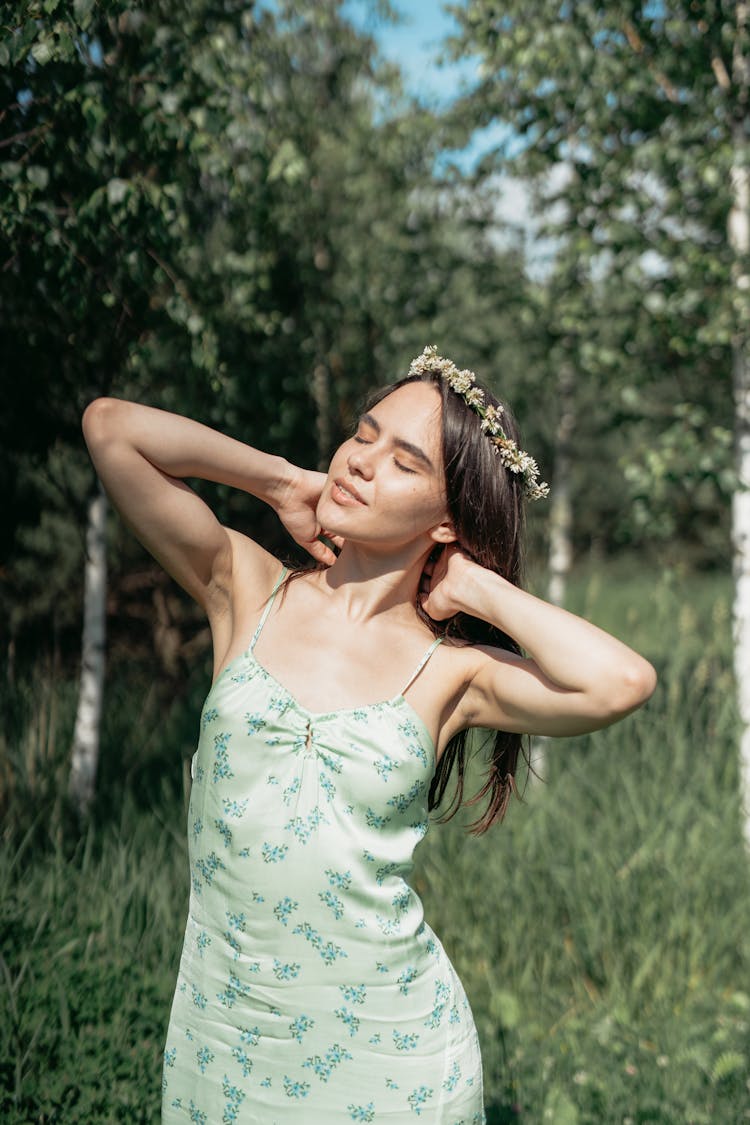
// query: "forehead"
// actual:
[[413, 412]]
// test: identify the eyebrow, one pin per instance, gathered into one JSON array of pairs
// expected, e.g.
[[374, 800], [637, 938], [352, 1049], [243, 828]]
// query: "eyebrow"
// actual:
[[407, 446]]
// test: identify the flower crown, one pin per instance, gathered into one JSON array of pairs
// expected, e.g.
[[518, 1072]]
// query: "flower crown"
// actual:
[[463, 383]]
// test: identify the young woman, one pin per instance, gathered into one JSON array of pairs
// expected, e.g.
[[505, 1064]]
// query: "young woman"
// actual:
[[310, 988]]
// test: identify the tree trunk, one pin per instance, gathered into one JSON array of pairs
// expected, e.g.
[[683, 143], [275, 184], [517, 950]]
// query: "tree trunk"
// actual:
[[561, 510], [560, 554], [739, 240], [85, 755]]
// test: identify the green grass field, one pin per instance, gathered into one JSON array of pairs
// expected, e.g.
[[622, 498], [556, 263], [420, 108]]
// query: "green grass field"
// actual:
[[602, 932]]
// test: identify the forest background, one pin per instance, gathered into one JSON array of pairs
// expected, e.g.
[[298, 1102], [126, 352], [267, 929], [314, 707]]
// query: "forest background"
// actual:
[[243, 213]]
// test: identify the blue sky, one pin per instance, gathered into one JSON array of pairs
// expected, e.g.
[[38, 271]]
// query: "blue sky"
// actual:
[[415, 43]]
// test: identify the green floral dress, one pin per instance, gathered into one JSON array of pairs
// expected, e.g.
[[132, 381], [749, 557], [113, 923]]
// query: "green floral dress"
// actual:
[[310, 989]]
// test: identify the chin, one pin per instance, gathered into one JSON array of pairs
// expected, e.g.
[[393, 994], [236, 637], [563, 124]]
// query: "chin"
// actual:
[[328, 516]]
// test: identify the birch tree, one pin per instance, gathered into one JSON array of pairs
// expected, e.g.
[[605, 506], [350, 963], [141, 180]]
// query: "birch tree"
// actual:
[[85, 751], [642, 110], [739, 240], [561, 500]]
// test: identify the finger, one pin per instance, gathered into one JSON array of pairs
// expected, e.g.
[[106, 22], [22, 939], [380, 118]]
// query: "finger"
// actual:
[[320, 552], [424, 601], [337, 540]]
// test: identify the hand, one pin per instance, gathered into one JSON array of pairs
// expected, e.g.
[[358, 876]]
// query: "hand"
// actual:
[[443, 581], [296, 510]]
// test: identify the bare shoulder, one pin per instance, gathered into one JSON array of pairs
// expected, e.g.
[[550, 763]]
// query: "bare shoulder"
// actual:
[[244, 577], [243, 571], [439, 694], [461, 660], [459, 665], [251, 570]]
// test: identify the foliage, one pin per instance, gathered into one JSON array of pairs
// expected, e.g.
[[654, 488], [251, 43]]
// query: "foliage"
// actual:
[[622, 121], [601, 932], [236, 213], [221, 210]]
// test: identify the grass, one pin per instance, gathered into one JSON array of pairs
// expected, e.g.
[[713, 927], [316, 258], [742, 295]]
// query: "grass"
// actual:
[[90, 945], [602, 933]]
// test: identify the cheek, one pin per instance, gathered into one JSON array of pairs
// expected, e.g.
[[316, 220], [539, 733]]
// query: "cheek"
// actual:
[[338, 456], [418, 504]]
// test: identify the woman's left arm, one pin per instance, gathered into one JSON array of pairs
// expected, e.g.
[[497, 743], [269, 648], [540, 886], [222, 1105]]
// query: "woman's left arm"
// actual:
[[576, 677]]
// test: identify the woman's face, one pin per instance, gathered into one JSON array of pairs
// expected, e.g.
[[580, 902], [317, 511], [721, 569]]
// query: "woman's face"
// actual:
[[385, 484]]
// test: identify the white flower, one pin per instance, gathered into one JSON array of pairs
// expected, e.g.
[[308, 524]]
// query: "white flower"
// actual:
[[474, 398], [463, 383], [538, 491]]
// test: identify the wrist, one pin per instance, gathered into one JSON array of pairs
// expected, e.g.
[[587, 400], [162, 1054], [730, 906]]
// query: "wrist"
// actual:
[[282, 481], [479, 589]]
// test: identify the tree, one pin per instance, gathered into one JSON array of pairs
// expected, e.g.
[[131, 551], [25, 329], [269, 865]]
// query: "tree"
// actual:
[[644, 110], [622, 132], [228, 213], [739, 241]]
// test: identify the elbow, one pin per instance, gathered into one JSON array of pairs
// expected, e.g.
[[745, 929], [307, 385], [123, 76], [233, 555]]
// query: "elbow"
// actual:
[[636, 685], [641, 681], [100, 419]]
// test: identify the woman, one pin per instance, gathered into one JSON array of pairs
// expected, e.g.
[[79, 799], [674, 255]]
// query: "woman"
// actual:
[[310, 989]]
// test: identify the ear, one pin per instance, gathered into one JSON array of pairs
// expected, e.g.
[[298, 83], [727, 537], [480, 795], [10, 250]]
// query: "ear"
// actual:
[[444, 532]]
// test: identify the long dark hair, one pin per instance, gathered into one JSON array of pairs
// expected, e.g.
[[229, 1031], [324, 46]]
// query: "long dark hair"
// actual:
[[486, 505]]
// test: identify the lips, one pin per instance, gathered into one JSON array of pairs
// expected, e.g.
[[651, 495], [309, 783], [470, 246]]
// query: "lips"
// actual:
[[344, 492]]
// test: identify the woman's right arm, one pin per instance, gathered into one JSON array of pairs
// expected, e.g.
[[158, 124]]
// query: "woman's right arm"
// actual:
[[141, 454]]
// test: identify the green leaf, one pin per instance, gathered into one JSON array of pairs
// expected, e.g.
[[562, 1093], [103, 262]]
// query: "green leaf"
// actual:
[[11, 170], [37, 175], [117, 189], [287, 163], [42, 52], [727, 1064]]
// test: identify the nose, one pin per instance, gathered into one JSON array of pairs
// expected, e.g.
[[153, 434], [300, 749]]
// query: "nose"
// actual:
[[360, 461]]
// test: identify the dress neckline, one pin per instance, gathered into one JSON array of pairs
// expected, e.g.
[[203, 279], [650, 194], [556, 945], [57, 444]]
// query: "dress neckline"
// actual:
[[398, 700]]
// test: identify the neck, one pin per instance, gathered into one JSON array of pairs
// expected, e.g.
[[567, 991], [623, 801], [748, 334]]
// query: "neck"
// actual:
[[367, 582]]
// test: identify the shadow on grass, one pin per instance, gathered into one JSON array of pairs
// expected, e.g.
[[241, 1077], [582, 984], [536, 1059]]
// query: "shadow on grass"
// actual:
[[503, 1113]]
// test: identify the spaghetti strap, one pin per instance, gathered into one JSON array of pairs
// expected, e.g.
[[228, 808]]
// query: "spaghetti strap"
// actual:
[[267, 610], [421, 665]]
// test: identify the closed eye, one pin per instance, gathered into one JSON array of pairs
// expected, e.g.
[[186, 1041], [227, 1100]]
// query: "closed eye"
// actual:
[[397, 463]]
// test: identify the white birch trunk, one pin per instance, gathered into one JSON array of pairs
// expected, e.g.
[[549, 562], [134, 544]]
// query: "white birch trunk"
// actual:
[[560, 556], [739, 240], [561, 509], [85, 754]]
